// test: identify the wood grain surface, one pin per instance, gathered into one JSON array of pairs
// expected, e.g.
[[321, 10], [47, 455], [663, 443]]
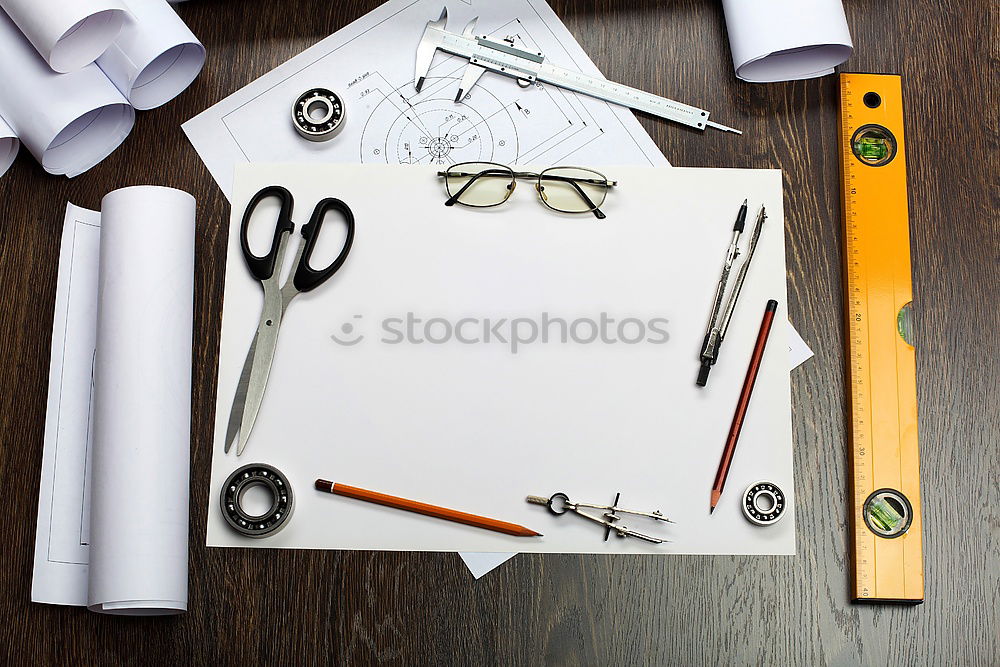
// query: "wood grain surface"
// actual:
[[310, 607]]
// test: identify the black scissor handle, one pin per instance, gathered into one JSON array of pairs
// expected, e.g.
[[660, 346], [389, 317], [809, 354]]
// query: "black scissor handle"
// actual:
[[306, 277], [263, 267]]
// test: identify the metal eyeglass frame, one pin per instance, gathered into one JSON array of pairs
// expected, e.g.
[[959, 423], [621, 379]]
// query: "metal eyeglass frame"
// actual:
[[503, 170]]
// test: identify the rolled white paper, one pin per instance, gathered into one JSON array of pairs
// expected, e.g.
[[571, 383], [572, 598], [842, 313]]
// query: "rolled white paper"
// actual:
[[69, 122], [8, 146], [67, 33], [786, 40], [155, 57], [142, 403]]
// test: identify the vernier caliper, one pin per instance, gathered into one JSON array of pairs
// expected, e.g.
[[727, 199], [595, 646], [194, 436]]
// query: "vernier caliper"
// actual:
[[528, 67]]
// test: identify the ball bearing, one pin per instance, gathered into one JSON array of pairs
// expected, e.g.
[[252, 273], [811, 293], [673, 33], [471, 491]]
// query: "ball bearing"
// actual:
[[318, 114], [271, 521], [763, 503]]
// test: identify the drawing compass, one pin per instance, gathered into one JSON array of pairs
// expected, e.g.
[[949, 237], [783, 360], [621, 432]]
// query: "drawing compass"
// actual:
[[527, 67], [559, 504], [718, 324]]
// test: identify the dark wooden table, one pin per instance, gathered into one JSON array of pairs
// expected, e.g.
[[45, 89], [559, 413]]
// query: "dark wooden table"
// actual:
[[425, 608]]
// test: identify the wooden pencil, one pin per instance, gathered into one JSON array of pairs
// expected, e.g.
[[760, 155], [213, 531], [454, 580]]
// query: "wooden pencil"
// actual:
[[744, 402], [425, 509]]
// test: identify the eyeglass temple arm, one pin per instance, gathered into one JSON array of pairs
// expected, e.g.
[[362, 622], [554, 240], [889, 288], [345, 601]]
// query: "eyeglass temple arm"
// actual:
[[486, 172], [567, 179]]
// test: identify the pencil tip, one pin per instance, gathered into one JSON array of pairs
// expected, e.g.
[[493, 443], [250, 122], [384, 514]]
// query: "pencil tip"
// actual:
[[745, 201], [711, 509]]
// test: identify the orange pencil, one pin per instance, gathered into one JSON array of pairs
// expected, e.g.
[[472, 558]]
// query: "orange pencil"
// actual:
[[425, 509]]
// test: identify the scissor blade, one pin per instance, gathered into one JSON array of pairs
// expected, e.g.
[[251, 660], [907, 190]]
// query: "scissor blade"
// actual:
[[240, 398], [265, 344]]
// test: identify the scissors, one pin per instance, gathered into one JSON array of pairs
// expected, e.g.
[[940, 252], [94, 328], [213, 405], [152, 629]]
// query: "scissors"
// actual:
[[267, 269]]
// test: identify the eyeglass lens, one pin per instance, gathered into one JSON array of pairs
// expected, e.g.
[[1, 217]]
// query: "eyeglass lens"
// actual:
[[479, 183], [572, 189]]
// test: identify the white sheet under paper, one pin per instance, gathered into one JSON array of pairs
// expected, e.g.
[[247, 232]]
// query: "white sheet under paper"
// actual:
[[155, 57], [62, 541], [480, 564], [785, 40], [798, 350], [68, 35], [8, 146], [370, 63], [69, 122], [477, 427], [112, 509]]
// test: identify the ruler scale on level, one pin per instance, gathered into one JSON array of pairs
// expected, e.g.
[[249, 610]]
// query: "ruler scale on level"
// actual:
[[881, 365], [528, 67]]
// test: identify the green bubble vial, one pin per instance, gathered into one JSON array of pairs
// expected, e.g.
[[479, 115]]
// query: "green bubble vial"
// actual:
[[884, 516]]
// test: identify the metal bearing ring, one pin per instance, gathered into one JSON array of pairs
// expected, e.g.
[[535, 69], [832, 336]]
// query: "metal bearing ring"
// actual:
[[271, 521], [763, 503], [318, 114]]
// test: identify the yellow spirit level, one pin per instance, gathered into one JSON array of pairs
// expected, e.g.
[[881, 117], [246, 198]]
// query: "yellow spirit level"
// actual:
[[881, 365]]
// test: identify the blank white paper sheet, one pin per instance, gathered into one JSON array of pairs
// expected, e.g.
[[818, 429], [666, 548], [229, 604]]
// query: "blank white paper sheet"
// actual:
[[470, 420]]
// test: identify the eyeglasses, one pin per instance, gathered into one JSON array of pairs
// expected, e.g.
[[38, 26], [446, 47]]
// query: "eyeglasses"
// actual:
[[563, 189]]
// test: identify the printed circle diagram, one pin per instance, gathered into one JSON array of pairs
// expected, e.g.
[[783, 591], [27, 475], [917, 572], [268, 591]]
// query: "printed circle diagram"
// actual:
[[431, 128]]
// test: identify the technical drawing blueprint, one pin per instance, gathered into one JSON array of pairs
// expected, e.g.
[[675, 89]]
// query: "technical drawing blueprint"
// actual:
[[62, 539], [370, 64]]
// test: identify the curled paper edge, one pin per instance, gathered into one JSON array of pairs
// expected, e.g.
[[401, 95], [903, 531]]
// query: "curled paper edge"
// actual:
[[768, 68], [156, 56], [9, 145], [67, 35]]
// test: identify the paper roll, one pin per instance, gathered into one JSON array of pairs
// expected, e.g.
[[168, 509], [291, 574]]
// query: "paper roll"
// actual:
[[142, 403], [786, 40], [69, 122], [8, 146], [155, 57], [67, 34]]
